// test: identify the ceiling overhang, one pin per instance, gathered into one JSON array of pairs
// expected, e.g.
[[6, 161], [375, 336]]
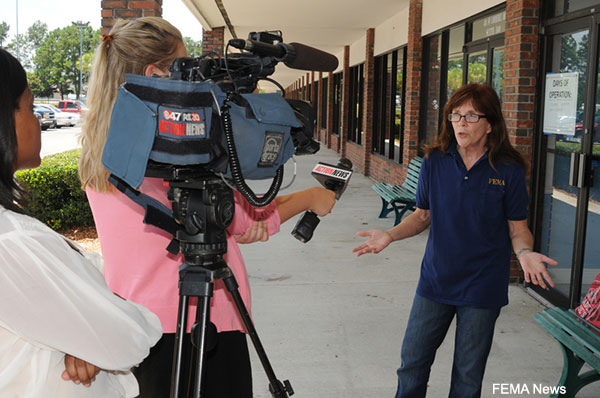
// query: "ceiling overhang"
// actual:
[[327, 25]]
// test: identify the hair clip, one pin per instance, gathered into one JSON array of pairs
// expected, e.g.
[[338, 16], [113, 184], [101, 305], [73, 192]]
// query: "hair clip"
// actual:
[[106, 38]]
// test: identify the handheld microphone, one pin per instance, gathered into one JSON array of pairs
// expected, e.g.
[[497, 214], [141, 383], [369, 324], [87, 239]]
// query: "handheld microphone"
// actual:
[[334, 178], [294, 55]]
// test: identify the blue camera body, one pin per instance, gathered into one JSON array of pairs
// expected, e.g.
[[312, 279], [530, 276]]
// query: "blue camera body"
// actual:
[[176, 122]]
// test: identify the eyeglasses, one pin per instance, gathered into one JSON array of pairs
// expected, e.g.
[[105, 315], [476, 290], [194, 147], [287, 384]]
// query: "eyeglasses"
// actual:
[[471, 118]]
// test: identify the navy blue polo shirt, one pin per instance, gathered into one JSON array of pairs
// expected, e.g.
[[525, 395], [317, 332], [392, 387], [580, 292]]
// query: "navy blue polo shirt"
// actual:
[[467, 259]]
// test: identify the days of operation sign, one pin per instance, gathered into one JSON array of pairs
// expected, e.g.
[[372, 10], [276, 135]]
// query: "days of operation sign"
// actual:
[[560, 103]]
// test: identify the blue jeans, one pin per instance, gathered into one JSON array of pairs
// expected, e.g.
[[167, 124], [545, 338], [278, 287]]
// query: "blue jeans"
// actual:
[[427, 326]]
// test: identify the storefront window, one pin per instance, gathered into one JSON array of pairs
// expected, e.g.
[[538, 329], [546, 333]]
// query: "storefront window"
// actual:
[[488, 26], [561, 7], [455, 59], [324, 94], [356, 103], [337, 103], [498, 71], [477, 67], [431, 122], [470, 52], [387, 122]]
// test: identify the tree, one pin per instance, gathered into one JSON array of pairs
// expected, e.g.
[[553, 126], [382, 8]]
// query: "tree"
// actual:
[[19, 42], [194, 48], [39, 85], [57, 58], [4, 28], [36, 34], [28, 43]]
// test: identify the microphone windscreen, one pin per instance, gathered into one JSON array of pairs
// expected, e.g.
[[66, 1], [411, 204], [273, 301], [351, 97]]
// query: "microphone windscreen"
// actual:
[[309, 58]]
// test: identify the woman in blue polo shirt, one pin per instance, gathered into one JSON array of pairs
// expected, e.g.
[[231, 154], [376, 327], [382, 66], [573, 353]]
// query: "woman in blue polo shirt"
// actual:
[[473, 195]]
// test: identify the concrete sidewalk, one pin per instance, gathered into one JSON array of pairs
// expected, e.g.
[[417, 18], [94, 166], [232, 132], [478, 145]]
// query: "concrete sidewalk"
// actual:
[[333, 323]]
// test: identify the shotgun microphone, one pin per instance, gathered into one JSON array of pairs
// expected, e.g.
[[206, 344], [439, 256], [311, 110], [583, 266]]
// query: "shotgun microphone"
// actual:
[[294, 55]]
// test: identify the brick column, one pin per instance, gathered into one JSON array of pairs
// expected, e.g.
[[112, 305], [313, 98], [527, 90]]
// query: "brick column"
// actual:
[[368, 101], [521, 46], [313, 92], [414, 55], [330, 106], [213, 40], [112, 10], [320, 109], [345, 114]]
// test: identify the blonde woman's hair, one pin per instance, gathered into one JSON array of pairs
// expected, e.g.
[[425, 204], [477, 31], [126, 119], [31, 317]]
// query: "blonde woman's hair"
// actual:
[[132, 46]]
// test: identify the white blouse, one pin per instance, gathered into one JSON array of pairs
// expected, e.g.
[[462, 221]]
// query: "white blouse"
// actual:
[[53, 300]]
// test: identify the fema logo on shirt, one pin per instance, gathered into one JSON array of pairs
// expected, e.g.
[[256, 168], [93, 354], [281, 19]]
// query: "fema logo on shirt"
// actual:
[[496, 181], [177, 122]]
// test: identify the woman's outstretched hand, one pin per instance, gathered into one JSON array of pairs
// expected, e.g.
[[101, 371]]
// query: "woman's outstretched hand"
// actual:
[[534, 268], [378, 240]]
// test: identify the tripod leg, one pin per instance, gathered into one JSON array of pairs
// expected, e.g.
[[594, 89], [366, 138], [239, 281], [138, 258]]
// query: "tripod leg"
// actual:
[[278, 390], [199, 340], [179, 336]]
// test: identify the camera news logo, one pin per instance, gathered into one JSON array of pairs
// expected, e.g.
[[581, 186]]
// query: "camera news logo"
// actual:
[[271, 148], [180, 123]]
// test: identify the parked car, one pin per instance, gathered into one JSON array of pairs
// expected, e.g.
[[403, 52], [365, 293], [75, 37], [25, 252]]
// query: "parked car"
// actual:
[[48, 117], [39, 117], [579, 128], [68, 119], [75, 106]]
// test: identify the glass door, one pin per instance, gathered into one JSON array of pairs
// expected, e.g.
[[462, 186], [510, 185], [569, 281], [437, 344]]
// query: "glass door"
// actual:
[[485, 64], [591, 254], [570, 215]]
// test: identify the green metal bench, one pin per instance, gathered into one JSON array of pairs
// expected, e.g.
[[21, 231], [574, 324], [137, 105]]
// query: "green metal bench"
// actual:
[[400, 198], [580, 344]]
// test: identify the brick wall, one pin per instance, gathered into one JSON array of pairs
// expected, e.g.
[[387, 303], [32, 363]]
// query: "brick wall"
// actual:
[[213, 40], [360, 155], [521, 46], [381, 168], [127, 9], [414, 57]]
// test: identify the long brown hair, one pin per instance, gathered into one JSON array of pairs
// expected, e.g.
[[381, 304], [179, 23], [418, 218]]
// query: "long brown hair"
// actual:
[[485, 101]]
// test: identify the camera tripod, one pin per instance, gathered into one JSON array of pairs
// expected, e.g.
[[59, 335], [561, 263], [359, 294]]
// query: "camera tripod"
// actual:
[[204, 207]]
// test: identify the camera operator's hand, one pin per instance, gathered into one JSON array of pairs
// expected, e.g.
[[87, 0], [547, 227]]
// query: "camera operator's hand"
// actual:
[[257, 232], [322, 201], [316, 199], [79, 371]]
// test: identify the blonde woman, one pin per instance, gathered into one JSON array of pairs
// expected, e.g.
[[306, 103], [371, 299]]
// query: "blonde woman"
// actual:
[[137, 266]]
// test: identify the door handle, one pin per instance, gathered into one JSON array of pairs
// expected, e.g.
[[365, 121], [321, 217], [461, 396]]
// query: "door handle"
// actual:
[[577, 172], [581, 173], [574, 170]]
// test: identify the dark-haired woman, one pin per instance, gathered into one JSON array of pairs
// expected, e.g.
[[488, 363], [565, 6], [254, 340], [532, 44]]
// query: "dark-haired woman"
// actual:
[[55, 308], [473, 195]]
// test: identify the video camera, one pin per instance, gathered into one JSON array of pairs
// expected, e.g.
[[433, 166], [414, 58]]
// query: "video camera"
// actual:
[[194, 129], [206, 114]]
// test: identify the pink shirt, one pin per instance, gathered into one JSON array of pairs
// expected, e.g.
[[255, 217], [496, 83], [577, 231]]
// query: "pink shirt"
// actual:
[[137, 266]]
